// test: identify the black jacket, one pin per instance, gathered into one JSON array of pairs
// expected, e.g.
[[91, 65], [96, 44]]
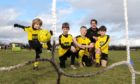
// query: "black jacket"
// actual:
[[91, 33]]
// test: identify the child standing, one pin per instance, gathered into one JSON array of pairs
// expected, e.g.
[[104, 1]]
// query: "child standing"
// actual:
[[33, 38]]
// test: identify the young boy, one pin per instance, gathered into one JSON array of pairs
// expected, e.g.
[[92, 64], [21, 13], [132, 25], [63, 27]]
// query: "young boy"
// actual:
[[83, 45], [66, 48], [33, 38], [101, 47]]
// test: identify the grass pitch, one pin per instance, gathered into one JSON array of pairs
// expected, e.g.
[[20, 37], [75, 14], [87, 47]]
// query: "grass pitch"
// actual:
[[47, 74]]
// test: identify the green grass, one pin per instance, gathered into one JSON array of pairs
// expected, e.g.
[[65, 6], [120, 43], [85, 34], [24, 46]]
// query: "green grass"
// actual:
[[47, 74]]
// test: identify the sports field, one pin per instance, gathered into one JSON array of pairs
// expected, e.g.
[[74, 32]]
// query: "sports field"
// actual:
[[47, 75]]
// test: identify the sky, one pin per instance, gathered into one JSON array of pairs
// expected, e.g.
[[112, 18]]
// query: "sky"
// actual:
[[76, 12]]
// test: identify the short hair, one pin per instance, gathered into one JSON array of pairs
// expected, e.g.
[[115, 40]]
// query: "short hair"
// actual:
[[65, 25], [102, 28], [83, 27], [94, 21], [37, 21]]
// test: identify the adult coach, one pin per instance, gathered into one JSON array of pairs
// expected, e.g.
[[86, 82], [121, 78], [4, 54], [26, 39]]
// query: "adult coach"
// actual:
[[92, 34]]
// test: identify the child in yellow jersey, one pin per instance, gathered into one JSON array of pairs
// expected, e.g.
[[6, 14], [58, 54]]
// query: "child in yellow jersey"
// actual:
[[83, 45], [101, 46], [66, 48], [33, 38]]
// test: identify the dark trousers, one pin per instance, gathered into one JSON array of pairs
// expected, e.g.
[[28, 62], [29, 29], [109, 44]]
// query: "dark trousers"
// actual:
[[86, 60], [64, 58], [92, 54], [37, 46]]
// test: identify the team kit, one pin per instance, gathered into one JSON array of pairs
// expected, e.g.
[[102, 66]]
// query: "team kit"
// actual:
[[89, 48]]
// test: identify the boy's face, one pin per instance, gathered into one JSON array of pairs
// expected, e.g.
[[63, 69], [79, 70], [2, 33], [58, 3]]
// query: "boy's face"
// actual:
[[83, 31], [102, 33], [65, 30], [37, 26]]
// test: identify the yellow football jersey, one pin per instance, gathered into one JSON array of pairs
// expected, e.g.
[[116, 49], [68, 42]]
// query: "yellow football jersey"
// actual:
[[32, 34], [83, 41], [103, 43], [65, 42]]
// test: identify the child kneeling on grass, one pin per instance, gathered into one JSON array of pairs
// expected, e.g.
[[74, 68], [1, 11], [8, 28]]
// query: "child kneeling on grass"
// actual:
[[83, 44], [101, 47], [66, 48]]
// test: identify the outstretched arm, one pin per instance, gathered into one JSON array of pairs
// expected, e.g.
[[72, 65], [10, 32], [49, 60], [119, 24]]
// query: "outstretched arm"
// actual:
[[20, 26]]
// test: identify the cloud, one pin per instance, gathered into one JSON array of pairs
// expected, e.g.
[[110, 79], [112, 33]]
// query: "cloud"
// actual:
[[7, 16], [7, 32], [108, 12], [10, 16], [46, 18], [111, 14], [64, 11]]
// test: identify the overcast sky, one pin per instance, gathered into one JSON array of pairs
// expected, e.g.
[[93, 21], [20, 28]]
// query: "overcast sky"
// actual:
[[77, 12]]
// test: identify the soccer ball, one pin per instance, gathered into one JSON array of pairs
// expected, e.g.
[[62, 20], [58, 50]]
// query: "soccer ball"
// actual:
[[44, 36]]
